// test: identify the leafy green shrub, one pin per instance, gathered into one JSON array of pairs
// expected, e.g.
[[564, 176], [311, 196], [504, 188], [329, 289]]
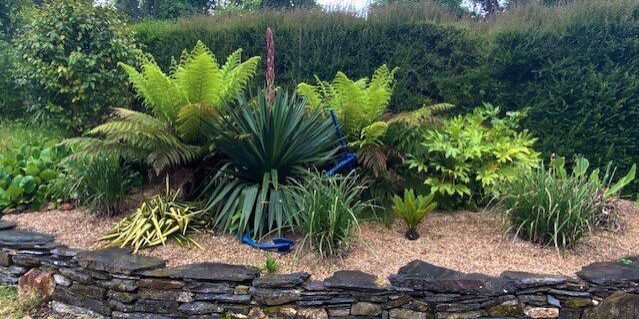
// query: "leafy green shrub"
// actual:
[[184, 106], [412, 209], [27, 172], [99, 183], [68, 57], [327, 208], [551, 207], [156, 221], [11, 97], [469, 154], [265, 145], [358, 104]]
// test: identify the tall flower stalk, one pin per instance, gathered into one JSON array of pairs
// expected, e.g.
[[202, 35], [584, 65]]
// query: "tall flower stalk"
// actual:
[[270, 67]]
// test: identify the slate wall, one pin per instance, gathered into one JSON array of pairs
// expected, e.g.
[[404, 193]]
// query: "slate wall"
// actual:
[[112, 283]]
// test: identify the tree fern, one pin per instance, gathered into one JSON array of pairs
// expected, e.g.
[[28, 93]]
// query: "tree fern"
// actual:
[[183, 106], [358, 104]]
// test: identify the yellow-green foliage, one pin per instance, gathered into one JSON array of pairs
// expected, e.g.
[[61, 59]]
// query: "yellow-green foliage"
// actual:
[[412, 209], [358, 104], [470, 153], [157, 220], [183, 108]]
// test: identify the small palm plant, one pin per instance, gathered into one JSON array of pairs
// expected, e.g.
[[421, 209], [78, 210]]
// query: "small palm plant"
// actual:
[[183, 105], [412, 209]]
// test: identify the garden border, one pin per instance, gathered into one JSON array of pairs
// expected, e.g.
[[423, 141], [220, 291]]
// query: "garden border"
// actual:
[[113, 283]]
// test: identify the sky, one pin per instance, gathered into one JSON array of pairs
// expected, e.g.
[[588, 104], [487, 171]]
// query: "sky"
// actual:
[[353, 5]]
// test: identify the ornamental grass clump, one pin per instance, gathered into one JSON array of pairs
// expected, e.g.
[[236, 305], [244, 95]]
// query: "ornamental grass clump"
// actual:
[[551, 207], [156, 221], [327, 211]]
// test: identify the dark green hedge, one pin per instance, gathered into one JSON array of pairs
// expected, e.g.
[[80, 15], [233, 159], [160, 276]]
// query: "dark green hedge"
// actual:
[[576, 66]]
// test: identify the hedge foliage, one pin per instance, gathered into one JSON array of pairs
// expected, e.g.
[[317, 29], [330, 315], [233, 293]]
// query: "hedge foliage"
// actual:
[[576, 66]]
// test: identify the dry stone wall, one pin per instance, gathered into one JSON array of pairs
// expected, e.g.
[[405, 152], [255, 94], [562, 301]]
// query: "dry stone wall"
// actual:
[[113, 283]]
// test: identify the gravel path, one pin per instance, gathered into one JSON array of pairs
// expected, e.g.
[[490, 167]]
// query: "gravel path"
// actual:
[[465, 241]]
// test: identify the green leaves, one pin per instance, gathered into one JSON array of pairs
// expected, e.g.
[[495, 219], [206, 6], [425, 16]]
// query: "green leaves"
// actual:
[[412, 209], [357, 103], [470, 154], [265, 146], [185, 105]]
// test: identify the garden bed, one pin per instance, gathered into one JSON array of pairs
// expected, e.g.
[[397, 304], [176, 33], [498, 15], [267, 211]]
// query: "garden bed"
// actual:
[[464, 241]]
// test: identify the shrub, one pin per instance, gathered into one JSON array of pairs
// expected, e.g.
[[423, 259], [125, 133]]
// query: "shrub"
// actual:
[[327, 208], [465, 158], [68, 57], [27, 172], [156, 221], [265, 145], [99, 183], [11, 97], [184, 106], [412, 209], [551, 207]]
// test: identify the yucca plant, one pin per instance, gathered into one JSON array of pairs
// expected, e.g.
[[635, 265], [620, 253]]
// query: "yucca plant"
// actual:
[[328, 208], [183, 106], [264, 146], [156, 221], [358, 104], [412, 209]]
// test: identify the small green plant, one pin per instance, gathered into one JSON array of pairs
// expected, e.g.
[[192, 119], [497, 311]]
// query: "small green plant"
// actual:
[[270, 265], [101, 183], [412, 209], [17, 306], [328, 209], [27, 172], [464, 159], [156, 221]]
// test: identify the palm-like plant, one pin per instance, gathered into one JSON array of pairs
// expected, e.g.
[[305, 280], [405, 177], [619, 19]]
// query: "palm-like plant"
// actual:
[[412, 209], [264, 146], [358, 103], [184, 106]]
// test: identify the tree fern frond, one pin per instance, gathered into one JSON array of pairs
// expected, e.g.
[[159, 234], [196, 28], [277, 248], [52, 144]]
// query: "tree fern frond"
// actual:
[[195, 122], [237, 78]]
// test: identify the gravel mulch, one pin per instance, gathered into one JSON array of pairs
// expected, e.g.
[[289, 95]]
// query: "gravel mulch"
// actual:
[[464, 241]]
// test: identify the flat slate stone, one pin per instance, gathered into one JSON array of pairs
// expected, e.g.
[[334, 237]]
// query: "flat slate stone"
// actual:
[[117, 260], [281, 281], [530, 280], [609, 273], [6, 224], [421, 275], [207, 272], [23, 239], [352, 279]]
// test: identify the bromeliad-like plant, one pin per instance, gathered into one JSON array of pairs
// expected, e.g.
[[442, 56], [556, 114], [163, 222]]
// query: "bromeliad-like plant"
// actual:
[[469, 154], [156, 221], [412, 209], [265, 145], [358, 104], [184, 106]]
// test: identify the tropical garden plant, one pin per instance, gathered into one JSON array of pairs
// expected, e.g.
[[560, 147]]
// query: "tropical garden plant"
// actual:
[[412, 209], [184, 106], [264, 146], [328, 209], [464, 158]]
